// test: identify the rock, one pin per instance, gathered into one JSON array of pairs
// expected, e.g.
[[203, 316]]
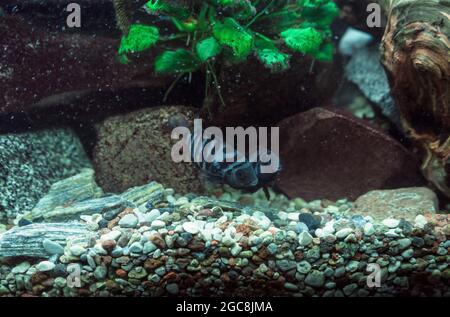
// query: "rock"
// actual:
[[353, 41], [330, 155], [405, 203], [31, 162], [303, 267], [420, 221], [305, 239], [21, 268], [45, 266], [77, 250], [100, 272], [311, 221], [122, 158], [150, 194], [391, 223], [315, 279], [369, 229], [172, 288], [158, 224], [365, 70], [28, 241], [81, 72], [52, 247], [128, 221], [343, 233], [190, 227], [136, 247], [68, 191], [148, 247]]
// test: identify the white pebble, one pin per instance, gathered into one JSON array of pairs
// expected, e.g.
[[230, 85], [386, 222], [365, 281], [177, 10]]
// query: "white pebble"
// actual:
[[420, 221], [391, 223], [158, 224], [343, 233], [305, 239], [369, 229], [190, 227], [45, 266]]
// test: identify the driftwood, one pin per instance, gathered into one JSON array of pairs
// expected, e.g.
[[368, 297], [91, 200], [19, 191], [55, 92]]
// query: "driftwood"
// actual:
[[415, 51]]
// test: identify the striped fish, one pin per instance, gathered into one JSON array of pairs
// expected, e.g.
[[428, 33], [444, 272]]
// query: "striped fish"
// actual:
[[225, 168]]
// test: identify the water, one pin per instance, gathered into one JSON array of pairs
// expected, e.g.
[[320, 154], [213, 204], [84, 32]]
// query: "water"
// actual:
[[96, 168]]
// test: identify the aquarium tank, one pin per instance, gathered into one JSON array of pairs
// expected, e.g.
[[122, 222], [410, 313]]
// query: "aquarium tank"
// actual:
[[224, 148]]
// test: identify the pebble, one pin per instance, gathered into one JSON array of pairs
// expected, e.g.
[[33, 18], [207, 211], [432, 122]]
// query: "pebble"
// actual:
[[309, 220], [158, 224], [136, 247], [149, 247], [391, 223], [45, 266], [272, 248], [21, 268], [343, 233], [100, 272], [420, 221], [128, 221], [315, 279], [52, 247], [369, 229], [77, 250], [305, 239], [190, 227], [303, 267], [113, 235], [172, 288]]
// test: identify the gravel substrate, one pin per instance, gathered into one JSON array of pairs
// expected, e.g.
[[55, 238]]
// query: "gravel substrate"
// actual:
[[188, 245]]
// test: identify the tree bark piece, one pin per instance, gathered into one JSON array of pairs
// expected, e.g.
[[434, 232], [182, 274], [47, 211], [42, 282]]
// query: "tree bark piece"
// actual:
[[416, 54]]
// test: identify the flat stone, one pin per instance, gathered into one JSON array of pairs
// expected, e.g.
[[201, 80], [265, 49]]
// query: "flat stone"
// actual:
[[391, 223], [305, 239], [52, 247], [128, 221], [406, 203], [21, 268], [330, 155], [190, 227], [45, 266], [343, 233]]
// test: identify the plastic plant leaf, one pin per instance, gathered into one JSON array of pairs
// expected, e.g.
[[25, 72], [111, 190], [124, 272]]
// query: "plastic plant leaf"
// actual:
[[304, 40], [326, 53], [230, 33], [176, 62], [273, 59], [320, 12], [140, 38], [164, 7], [208, 48]]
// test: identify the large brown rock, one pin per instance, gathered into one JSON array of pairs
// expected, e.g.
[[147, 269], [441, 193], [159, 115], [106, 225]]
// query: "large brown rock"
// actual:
[[41, 68], [326, 154], [135, 149]]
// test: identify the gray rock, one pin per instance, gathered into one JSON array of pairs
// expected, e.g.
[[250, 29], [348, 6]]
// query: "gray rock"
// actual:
[[52, 247], [366, 71], [128, 221], [28, 241], [31, 162], [45, 266], [405, 203], [68, 191], [315, 278], [21, 268]]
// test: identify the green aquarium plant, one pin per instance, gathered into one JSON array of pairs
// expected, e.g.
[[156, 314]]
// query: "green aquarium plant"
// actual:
[[208, 33]]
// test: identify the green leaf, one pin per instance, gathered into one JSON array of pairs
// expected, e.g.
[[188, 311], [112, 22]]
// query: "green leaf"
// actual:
[[164, 7], [208, 48], [176, 62], [273, 59], [320, 12], [326, 53], [304, 40], [230, 33], [140, 38]]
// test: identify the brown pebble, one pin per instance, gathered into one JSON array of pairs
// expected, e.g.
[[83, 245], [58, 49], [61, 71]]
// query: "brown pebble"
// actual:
[[108, 245]]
